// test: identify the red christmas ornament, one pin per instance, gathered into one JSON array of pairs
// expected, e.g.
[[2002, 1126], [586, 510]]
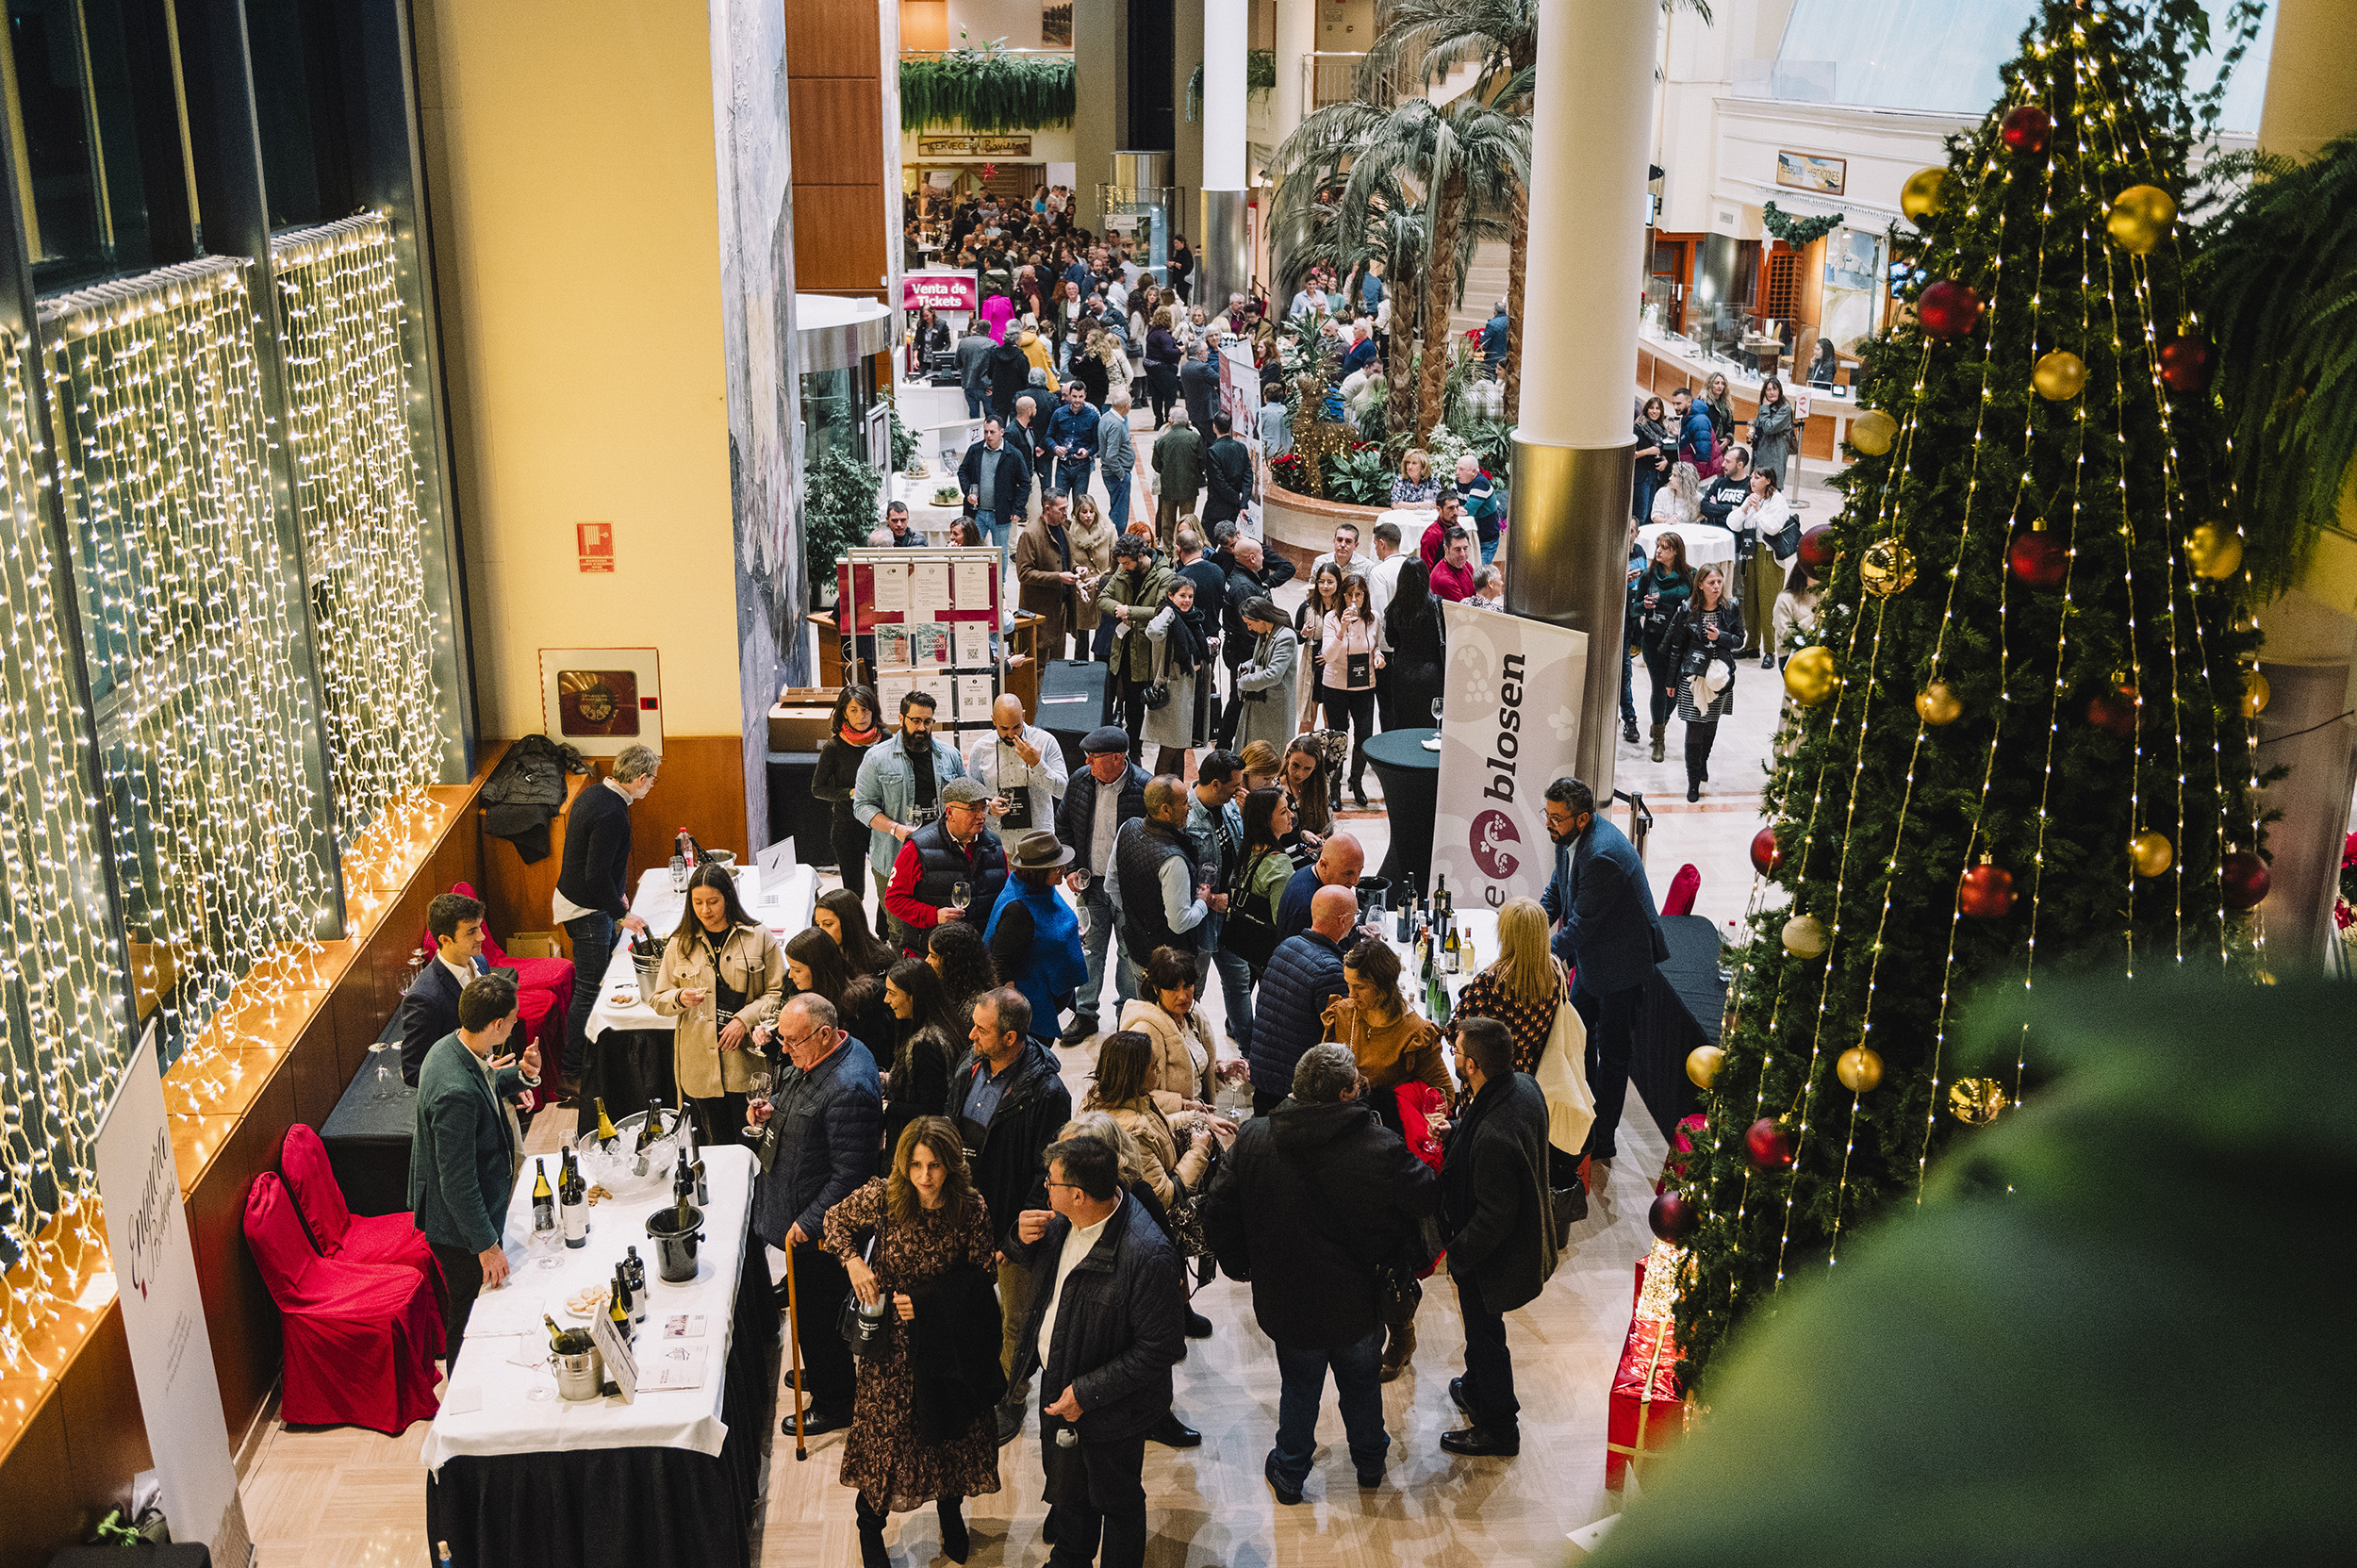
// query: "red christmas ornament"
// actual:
[[1987, 893], [1768, 1145], [2243, 879], [2027, 129], [1766, 856], [2036, 558], [2185, 363], [1672, 1219], [1818, 548], [2114, 712], [1948, 308]]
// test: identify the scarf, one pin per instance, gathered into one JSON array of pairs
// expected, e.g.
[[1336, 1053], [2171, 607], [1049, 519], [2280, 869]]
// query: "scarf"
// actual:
[[859, 737], [1188, 649]]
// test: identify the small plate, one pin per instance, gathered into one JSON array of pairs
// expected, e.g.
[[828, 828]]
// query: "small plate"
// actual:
[[624, 998]]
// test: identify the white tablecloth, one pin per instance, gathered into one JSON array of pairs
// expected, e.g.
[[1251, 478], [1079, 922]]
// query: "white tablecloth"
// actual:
[[506, 1329], [1478, 926], [661, 908], [1706, 542]]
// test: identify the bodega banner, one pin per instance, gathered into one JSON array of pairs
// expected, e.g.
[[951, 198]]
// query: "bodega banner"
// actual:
[[1510, 727]]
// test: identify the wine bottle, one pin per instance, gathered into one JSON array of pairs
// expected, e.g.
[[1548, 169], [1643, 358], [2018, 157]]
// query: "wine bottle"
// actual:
[[573, 1196], [607, 1134], [636, 1269], [1451, 952], [1405, 930], [647, 1133], [543, 1198], [618, 1312], [1440, 897], [683, 1182], [556, 1335]]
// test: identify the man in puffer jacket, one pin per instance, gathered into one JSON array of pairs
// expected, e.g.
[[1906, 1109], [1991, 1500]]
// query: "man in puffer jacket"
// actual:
[[1303, 975]]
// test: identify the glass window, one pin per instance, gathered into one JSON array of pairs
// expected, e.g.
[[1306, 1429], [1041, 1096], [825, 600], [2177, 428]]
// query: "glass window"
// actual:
[[299, 108]]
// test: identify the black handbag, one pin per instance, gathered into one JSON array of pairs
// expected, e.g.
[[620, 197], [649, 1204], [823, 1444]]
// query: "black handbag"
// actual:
[[1397, 1294], [1157, 696], [867, 1335], [1359, 671], [1247, 932]]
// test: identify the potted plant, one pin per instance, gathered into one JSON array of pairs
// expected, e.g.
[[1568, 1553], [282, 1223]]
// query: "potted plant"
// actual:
[[839, 511]]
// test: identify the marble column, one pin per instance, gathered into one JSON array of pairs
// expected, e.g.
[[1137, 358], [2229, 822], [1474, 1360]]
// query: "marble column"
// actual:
[[1227, 261], [1568, 505]]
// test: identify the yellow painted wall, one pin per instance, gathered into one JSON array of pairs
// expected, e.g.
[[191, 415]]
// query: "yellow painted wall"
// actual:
[[568, 148]]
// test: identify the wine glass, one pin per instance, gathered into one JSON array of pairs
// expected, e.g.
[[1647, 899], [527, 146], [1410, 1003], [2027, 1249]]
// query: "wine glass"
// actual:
[[756, 1098], [383, 1089], [1079, 898], [1436, 713], [960, 896], [550, 1245]]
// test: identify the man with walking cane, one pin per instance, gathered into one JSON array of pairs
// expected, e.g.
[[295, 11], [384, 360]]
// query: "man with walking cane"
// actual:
[[818, 1138]]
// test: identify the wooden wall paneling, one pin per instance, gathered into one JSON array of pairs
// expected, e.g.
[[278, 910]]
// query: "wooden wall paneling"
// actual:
[[838, 240], [353, 1007], [96, 1394], [924, 23], [48, 1499], [240, 1315], [822, 38], [315, 1068], [701, 787], [838, 136]]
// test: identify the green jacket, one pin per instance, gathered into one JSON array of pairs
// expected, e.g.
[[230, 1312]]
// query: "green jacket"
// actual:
[[462, 1160], [1133, 656], [1178, 464]]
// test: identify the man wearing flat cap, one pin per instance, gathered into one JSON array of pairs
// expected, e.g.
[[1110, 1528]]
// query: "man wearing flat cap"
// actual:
[[1111, 791], [956, 848]]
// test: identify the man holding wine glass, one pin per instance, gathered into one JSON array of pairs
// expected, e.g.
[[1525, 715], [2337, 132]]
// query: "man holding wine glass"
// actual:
[[955, 854]]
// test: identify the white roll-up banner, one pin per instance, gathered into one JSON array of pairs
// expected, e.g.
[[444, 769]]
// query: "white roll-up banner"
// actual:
[[163, 1315], [1510, 727]]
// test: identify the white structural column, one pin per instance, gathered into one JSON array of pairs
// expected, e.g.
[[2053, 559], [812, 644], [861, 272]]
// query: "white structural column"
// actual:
[[1570, 499], [2310, 658], [1227, 261], [1297, 39]]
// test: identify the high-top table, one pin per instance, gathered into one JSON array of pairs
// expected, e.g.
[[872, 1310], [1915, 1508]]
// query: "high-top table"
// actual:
[[1412, 798]]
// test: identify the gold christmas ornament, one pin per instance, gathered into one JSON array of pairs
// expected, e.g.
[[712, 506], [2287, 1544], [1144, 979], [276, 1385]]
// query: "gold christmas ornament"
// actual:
[[1702, 1064], [2214, 551], [1872, 432], [2255, 694], [1975, 1100], [1859, 1069], [1805, 936], [1936, 704], [2151, 853], [2140, 216], [1810, 677], [1919, 197], [2059, 376], [1888, 568]]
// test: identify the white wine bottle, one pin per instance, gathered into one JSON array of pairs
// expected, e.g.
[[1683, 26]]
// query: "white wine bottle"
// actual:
[[572, 1194], [543, 1199]]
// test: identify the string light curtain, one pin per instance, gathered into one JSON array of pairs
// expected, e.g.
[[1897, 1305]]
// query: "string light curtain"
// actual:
[[60, 969], [191, 638], [356, 488]]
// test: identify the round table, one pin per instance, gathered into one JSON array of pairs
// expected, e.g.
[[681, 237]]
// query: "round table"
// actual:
[[1411, 796], [1706, 543]]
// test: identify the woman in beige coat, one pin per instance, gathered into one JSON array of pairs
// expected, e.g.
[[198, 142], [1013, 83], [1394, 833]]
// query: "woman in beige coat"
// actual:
[[1183, 1071], [1122, 1060], [722, 977], [1092, 541]]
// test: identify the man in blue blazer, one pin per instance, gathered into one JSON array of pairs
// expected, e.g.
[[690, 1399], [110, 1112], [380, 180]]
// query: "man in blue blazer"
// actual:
[[463, 1153], [429, 1009], [1609, 934]]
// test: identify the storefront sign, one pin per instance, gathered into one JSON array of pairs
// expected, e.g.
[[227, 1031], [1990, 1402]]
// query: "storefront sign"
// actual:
[[163, 1317], [941, 289], [973, 146], [1820, 176], [1510, 728], [596, 543]]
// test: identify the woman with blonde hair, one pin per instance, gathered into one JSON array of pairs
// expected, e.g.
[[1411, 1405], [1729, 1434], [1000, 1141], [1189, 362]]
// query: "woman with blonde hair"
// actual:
[[1414, 485], [1522, 987], [1260, 765], [1679, 501], [1092, 541], [933, 1256]]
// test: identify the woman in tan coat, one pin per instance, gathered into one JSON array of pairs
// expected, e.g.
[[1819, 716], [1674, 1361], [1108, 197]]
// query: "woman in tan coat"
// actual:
[[1183, 1071], [1092, 541], [722, 977], [1123, 1061]]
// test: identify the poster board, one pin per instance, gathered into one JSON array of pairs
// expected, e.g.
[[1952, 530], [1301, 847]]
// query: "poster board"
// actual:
[[1240, 398], [929, 620]]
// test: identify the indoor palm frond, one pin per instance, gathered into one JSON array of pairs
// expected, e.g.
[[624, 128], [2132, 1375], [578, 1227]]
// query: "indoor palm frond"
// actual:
[[2278, 271]]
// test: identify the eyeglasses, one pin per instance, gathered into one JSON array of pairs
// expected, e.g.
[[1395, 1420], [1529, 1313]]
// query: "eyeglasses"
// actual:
[[798, 1041], [1068, 1186]]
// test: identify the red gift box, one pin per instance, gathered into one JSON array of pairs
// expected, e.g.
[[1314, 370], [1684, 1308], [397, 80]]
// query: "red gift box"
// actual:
[[1647, 1411]]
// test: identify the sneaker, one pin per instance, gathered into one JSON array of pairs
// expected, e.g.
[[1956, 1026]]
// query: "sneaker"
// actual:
[[1286, 1494]]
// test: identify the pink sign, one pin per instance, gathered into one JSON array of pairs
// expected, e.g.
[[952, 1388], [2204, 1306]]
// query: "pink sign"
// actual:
[[942, 291]]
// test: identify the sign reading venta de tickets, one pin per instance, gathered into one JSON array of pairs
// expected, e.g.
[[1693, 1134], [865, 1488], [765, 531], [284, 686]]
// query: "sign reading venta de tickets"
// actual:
[[1510, 728], [163, 1317]]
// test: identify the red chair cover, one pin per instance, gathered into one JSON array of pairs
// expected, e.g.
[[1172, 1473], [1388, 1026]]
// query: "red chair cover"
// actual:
[[1683, 887], [334, 1230], [360, 1338], [544, 1001]]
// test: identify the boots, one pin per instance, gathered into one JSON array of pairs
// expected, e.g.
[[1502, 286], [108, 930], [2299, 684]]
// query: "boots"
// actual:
[[954, 1542], [871, 1542], [1660, 742], [1698, 742], [1398, 1348]]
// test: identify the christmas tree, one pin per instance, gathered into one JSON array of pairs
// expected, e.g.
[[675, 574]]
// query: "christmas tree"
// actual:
[[2023, 740]]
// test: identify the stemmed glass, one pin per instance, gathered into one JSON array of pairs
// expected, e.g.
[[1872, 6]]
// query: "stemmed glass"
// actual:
[[960, 896], [1432, 742], [1436, 713], [756, 1098], [1081, 897]]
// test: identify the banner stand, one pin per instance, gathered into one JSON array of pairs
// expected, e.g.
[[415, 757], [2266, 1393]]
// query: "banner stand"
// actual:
[[1510, 700]]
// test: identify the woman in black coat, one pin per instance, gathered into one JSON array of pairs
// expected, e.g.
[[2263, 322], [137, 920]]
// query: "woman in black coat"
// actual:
[[855, 729], [1411, 625], [1702, 641]]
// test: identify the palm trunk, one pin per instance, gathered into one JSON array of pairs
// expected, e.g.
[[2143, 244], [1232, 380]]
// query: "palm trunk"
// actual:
[[1399, 366], [1517, 267], [1439, 293]]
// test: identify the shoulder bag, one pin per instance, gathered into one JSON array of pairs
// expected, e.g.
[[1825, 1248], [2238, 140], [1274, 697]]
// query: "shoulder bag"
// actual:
[[1247, 930], [866, 1332], [1571, 1108]]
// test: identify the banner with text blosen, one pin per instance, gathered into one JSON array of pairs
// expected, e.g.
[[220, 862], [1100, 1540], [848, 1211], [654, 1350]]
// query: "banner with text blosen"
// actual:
[[1510, 727]]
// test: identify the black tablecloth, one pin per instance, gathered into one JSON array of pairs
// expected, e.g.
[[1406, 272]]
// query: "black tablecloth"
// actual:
[[626, 1068], [1071, 703], [1411, 796], [625, 1508], [1685, 1000], [368, 1139]]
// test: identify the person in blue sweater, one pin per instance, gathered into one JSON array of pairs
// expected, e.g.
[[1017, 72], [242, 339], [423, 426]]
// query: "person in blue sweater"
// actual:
[[1609, 933]]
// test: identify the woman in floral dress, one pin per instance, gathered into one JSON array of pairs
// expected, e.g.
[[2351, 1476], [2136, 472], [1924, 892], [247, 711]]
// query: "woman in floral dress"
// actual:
[[934, 1255]]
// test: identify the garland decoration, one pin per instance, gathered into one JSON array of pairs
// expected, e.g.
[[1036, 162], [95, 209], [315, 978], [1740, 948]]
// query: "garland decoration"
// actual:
[[1795, 230], [987, 90]]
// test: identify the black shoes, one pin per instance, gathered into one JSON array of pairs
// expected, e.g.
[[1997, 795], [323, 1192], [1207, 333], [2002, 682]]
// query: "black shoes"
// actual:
[[955, 1543], [1010, 1422], [1171, 1432], [1456, 1395], [1481, 1442], [1078, 1033], [817, 1420], [1371, 1478], [1358, 792], [1198, 1327], [1286, 1494], [1628, 730], [1693, 789], [1767, 661]]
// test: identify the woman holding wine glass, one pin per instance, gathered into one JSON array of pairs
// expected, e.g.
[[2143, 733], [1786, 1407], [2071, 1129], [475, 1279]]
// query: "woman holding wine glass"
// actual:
[[923, 1047], [722, 977], [815, 963]]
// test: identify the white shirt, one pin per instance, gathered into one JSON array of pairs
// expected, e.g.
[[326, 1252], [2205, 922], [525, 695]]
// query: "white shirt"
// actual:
[[1382, 582], [562, 908], [1358, 563], [1107, 823], [1045, 781], [1077, 1243], [464, 972]]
